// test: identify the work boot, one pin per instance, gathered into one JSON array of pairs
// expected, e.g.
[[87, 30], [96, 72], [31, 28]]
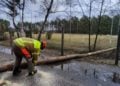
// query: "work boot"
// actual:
[[16, 72], [32, 73]]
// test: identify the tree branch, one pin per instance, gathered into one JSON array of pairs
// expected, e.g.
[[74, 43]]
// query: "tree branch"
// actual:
[[46, 16]]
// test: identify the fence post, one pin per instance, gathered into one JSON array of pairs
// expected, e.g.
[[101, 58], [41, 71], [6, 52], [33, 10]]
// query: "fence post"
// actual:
[[118, 44], [62, 41]]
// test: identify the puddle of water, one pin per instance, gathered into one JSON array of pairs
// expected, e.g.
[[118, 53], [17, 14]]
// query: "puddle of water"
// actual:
[[48, 76], [88, 71], [5, 50]]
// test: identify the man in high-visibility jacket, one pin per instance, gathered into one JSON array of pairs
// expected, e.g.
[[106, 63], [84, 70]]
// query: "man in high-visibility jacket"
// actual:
[[29, 49]]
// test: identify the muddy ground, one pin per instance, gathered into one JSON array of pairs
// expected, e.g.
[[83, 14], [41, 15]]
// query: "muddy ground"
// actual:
[[79, 72]]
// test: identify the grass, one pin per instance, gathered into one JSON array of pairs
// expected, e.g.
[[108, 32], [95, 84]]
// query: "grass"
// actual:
[[78, 42]]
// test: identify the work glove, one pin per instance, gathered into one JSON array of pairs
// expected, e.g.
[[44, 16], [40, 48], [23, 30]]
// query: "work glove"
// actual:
[[32, 73]]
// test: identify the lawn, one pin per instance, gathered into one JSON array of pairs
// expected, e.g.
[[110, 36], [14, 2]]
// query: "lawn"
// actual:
[[77, 42]]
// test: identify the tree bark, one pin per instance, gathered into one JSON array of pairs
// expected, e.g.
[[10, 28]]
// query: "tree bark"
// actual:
[[11, 41], [45, 20], [22, 29], [13, 19], [9, 67], [17, 29], [99, 22], [89, 43]]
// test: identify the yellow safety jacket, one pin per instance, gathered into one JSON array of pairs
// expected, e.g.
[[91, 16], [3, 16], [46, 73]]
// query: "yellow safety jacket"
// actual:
[[32, 45]]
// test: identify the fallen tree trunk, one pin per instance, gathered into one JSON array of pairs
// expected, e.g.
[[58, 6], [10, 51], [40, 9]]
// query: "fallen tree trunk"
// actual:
[[9, 67]]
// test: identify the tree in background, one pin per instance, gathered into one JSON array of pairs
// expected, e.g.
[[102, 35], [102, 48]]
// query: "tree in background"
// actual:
[[99, 23], [82, 25], [23, 8], [4, 25], [12, 6], [90, 25], [48, 6]]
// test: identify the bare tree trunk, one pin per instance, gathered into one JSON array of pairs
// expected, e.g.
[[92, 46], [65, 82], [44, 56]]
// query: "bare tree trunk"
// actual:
[[22, 29], [13, 19], [90, 10], [45, 20], [89, 44], [11, 41], [99, 22], [17, 29]]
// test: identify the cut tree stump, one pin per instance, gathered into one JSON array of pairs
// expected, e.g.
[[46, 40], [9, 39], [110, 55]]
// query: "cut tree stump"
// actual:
[[9, 67]]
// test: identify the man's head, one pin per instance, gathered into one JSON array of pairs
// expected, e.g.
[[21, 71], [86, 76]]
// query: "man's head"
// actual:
[[43, 44]]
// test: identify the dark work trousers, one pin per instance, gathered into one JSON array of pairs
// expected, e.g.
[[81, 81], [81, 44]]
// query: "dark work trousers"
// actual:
[[19, 56]]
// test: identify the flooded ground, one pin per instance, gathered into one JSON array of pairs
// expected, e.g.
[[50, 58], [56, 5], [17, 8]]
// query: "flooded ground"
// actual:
[[72, 73]]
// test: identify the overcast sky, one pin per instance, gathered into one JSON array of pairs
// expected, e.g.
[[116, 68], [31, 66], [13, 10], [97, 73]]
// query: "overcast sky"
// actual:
[[33, 12]]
